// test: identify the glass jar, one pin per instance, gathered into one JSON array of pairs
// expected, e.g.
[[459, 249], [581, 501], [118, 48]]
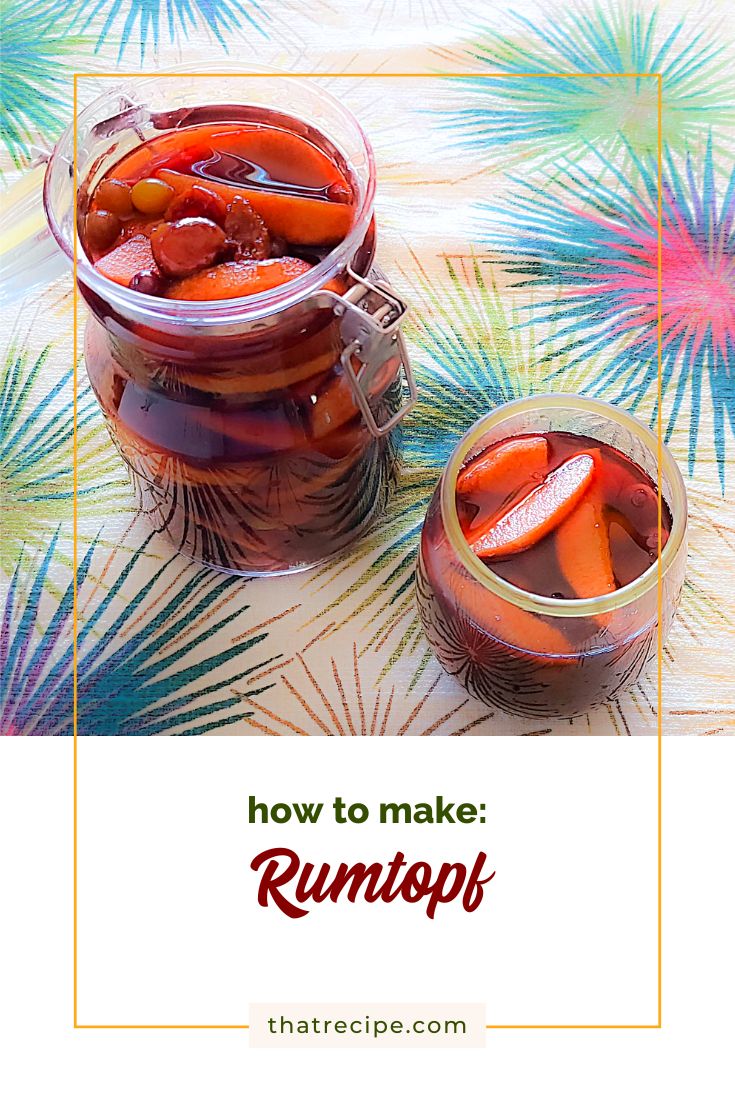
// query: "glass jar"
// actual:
[[533, 655], [261, 432]]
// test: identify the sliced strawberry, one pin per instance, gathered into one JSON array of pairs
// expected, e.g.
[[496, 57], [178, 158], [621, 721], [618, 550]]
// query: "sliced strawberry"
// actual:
[[583, 549], [300, 221], [122, 263], [537, 514], [505, 466]]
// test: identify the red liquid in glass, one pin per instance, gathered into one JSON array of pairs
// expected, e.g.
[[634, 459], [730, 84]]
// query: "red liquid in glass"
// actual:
[[628, 510], [525, 661]]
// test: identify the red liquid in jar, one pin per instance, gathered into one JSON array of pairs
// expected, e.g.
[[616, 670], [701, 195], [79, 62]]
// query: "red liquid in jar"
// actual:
[[247, 448], [591, 544]]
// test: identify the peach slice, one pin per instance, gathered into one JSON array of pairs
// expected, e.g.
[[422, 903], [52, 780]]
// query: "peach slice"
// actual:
[[506, 466], [500, 619], [583, 549], [336, 405], [281, 154], [537, 514], [235, 278], [125, 261], [300, 221]]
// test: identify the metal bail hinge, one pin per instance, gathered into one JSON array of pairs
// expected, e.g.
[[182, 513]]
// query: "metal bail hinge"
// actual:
[[382, 311], [372, 316]]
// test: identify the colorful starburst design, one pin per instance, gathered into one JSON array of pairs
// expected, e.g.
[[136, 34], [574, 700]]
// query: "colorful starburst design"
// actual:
[[551, 115], [596, 244]]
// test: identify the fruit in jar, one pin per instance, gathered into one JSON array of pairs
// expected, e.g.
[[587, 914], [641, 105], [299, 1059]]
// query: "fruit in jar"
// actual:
[[507, 464], [197, 201], [583, 549], [127, 259], [244, 226], [275, 194], [299, 220], [115, 196], [273, 153], [102, 229], [589, 538], [221, 423], [148, 282]]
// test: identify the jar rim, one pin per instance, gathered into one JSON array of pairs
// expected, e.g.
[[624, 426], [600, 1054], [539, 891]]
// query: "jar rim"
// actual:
[[553, 606], [220, 311]]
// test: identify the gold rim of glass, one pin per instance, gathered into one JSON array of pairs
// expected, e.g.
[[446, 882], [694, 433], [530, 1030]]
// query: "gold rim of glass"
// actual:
[[552, 606]]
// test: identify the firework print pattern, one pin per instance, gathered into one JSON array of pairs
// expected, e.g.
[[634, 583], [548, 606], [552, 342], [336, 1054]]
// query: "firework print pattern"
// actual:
[[599, 105], [518, 215], [595, 244]]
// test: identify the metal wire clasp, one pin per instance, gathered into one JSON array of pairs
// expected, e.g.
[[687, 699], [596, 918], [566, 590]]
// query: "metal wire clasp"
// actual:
[[372, 315]]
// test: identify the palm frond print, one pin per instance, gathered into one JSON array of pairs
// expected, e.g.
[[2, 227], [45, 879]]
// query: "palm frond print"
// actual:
[[474, 352], [551, 115], [40, 48], [36, 458], [150, 657], [327, 708], [144, 22], [599, 244]]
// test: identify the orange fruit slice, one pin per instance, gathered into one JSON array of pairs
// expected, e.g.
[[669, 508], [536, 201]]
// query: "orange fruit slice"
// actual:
[[583, 549], [501, 620], [336, 404], [505, 466], [125, 261], [281, 154], [538, 513], [238, 277]]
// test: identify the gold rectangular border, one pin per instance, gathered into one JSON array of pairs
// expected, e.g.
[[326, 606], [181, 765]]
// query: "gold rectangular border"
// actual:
[[391, 76]]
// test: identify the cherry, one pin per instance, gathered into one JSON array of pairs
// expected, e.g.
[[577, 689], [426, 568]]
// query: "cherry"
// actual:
[[148, 282], [116, 196], [186, 246], [102, 228], [197, 201]]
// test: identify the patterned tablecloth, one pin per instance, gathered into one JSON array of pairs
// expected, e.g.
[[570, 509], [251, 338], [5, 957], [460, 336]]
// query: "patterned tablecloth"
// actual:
[[518, 217]]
